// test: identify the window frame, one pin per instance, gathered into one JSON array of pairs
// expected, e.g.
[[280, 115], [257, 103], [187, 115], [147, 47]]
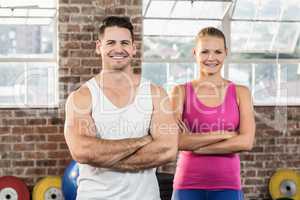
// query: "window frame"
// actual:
[[39, 59]]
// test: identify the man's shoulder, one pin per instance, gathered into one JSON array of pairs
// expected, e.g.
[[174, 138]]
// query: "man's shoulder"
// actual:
[[80, 98]]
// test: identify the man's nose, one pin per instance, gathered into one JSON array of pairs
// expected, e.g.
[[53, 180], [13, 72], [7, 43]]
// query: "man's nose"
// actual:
[[118, 47]]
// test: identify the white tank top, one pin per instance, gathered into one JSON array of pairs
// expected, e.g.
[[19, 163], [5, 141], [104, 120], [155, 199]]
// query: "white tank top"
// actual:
[[111, 122]]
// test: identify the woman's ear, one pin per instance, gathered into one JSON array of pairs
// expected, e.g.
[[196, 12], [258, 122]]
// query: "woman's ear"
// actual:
[[98, 46], [194, 52]]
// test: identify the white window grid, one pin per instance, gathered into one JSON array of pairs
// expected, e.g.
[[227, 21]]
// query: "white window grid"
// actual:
[[36, 59]]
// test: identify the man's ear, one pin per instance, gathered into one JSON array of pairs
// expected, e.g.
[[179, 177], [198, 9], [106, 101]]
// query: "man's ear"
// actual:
[[134, 49], [98, 46]]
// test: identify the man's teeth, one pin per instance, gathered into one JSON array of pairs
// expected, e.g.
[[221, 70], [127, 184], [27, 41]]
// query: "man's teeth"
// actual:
[[118, 57]]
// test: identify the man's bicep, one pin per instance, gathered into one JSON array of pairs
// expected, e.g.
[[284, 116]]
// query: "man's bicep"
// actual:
[[78, 116]]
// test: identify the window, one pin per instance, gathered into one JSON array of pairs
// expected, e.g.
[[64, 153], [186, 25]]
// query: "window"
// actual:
[[28, 60], [263, 39]]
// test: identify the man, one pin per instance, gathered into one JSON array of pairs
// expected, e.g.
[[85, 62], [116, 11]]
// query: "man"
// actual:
[[119, 127]]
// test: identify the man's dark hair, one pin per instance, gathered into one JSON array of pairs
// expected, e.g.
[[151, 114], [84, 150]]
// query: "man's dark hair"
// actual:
[[111, 21]]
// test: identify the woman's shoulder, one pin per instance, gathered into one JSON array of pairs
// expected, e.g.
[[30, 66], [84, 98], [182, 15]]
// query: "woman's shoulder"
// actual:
[[242, 89]]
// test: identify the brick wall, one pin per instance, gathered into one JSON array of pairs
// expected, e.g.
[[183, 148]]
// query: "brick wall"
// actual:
[[31, 140]]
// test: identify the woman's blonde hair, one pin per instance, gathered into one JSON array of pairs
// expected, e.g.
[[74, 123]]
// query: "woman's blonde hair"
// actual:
[[211, 31]]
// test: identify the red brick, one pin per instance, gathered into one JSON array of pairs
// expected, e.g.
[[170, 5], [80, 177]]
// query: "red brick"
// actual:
[[63, 37], [58, 154], [63, 18], [11, 122], [92, 10], [247, 157], [23, 163], [80, 53], [63, 72], [73, 28], [34, 138], [63, 146], [91, 62], [23, 147], [115, 11], [5, 163], [295, 133], [34, 155], [55, 171], [68, 9], [63, 52], [69, 79], [35, 171], [36, 121], [80, 71], [46, 129], [88, 28], [88, 45], [56, 138], [55, 121], [85, 2], [137, 20], [80, 37], [63, 2], [98, 19], [81, 19], [253, 181], [6, 113], [5, 147], [84, 78], [10, 138], [46, 146], [49, 113], [274, 149], [274, 164], [264, 173], [70, 45], [137, 2], [11, 155], [5, 130], [18, 171], [25, 113], [134, 11], [46, 163], [96, 70], [71, 62], [257, 149]]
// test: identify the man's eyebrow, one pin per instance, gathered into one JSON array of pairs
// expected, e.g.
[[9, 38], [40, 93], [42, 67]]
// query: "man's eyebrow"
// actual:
[[117, 40]]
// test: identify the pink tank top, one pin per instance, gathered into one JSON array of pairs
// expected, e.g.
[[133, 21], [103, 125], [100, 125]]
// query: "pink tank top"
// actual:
[[209, 172]]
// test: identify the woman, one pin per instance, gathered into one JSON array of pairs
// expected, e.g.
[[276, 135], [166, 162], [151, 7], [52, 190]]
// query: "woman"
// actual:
[[217, 121]]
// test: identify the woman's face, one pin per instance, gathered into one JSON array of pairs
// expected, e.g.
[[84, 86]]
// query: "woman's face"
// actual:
[[210, 54]]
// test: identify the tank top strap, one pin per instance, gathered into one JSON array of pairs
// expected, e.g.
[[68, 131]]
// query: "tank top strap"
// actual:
[[188, 90], [94, 90], [231, 96], [144, 87]]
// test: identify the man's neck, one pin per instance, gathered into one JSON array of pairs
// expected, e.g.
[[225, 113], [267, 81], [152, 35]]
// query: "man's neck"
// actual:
[[116, 78]]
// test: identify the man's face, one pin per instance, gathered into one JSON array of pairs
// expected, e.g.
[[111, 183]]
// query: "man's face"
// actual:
[[116, 48]]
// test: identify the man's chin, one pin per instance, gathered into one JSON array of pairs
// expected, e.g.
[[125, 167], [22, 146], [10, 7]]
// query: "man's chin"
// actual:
[[119, 67]]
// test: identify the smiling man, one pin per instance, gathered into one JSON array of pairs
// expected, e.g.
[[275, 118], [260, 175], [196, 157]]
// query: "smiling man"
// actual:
[[119, 127]]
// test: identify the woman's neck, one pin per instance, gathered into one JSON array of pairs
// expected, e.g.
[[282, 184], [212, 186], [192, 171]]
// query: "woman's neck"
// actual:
[[215, 79]]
